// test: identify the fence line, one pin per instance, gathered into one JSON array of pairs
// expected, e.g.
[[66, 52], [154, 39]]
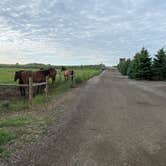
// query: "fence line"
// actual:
[[15, 85], [30, 87], [24, 85]]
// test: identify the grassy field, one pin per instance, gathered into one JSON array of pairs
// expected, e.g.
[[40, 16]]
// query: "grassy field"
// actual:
[[7, 74], [19, 126]]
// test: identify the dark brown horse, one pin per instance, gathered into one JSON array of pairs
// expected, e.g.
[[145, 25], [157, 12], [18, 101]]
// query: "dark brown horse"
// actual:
[[19, 77], [37, 77], [52, 73], [68, 73]]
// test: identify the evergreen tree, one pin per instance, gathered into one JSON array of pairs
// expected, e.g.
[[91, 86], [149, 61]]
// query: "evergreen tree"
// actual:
[[133, 67], [140, 67], [144, 68], [159, 65], [123, 66]]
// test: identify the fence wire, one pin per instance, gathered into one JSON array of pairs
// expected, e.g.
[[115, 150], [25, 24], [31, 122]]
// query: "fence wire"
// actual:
[[9, 91]]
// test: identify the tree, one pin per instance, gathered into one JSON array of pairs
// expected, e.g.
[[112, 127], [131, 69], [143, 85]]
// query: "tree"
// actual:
[[140, 67], [159, 65], [145, 65], [133, 67], [123, 66]]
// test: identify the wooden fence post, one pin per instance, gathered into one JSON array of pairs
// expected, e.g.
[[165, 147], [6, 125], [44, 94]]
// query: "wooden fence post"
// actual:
[[30, 89], [46, 89], [60, 75]]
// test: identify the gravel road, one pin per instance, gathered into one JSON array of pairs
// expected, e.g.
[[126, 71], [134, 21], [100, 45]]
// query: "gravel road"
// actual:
[[110, 121]]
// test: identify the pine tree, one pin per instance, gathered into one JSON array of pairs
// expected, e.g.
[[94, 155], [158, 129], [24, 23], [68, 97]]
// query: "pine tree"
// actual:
[[123, 66], [133, 67], [145, 65], [140, 67], [159, 65]]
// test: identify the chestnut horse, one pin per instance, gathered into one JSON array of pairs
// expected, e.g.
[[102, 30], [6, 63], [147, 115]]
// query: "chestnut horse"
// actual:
[[37, 77], [68, 73], [52, 73]]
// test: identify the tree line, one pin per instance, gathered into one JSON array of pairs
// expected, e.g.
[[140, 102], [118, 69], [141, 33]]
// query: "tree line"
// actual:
[[47, 66], [143, 67]]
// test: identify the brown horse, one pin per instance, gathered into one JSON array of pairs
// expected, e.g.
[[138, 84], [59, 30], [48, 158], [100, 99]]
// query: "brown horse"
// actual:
[[19, 77], [52, 74], [37, 77], [68, 73]]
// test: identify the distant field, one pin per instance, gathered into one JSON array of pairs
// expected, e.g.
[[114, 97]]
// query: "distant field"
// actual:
[[7, 74]]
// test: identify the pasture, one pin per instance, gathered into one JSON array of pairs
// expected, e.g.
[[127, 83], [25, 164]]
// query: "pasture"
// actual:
[[7, 74], [19, 124]]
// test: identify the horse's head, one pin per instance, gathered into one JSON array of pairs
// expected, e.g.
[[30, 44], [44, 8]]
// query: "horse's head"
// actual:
[[45, 72], [17, 75], [52, 73], [63, 68]]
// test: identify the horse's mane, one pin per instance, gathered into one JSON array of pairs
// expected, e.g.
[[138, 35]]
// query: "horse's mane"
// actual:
[[45, 72]]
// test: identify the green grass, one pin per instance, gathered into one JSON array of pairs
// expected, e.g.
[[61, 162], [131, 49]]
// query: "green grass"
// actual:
[[13, 122], [22, 128], [13, 105], [7, 74], [26, 124], [5, 136]]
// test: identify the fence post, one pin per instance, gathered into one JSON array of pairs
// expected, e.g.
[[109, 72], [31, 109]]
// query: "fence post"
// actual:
[[30, 89], [46, 89], [60, 75]]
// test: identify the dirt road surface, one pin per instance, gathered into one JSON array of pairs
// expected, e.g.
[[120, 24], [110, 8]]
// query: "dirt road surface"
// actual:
[[110, 121]]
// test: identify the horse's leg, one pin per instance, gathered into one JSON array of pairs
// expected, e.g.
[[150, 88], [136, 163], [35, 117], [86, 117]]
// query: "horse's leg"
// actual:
[[21, 93], [72, 78], [53, 80], [38, 89], [22, 90], [42, 88]]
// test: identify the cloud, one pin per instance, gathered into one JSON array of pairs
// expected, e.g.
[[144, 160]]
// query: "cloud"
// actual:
[[78, 31]]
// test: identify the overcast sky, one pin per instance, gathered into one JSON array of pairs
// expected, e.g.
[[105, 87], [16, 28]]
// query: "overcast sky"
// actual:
[[79, 31]]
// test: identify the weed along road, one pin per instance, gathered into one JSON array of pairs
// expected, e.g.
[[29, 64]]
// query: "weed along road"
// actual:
[[110, 121]]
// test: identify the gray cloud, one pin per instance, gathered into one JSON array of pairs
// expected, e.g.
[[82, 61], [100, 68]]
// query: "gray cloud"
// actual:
[[78, 31]]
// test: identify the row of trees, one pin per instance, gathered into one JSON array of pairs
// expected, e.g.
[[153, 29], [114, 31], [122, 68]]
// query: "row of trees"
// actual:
[[46, 66], [143, 67]]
